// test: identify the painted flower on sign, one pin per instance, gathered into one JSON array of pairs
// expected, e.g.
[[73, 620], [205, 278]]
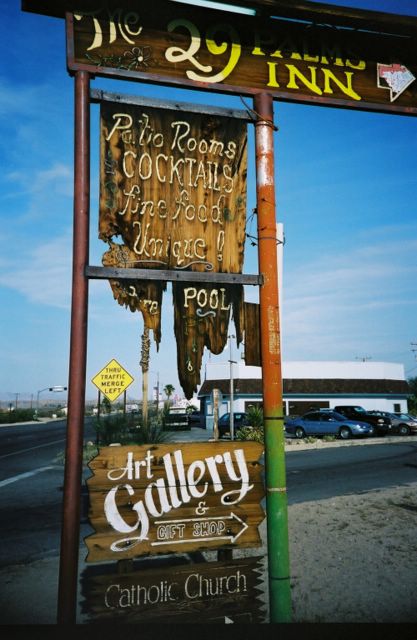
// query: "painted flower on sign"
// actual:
[[138, 57]]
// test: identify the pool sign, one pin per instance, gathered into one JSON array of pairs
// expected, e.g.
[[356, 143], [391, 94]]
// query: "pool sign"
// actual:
[[112, 380], [158, 499]]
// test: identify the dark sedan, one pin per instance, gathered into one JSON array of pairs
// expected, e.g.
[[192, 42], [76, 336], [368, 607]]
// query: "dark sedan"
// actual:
[[239, 420], [323, 423], [401, 423]]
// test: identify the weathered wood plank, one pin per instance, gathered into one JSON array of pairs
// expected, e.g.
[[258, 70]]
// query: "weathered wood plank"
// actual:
[[252, 334], [123, 273], [98, 95]]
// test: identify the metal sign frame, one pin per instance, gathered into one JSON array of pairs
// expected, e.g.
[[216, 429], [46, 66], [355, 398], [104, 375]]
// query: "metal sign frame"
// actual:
[[276, 503]]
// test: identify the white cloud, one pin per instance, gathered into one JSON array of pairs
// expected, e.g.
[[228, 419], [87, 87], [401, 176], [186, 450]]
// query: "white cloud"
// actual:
[[43, 273], [17, 100], [56, 179], [337, 304]]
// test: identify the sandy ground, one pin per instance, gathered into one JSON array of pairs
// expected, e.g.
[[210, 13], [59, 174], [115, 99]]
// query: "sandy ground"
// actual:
[[354, 558]]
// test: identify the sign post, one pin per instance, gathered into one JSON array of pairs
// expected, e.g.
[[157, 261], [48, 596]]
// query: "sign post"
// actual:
[[70, 533], [112, 380], [276, 496]]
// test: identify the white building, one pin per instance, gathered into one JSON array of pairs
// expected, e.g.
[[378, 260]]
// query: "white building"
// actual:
[[373, 385]]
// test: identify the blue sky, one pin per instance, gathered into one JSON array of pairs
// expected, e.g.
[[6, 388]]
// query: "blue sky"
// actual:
[[346, 185]]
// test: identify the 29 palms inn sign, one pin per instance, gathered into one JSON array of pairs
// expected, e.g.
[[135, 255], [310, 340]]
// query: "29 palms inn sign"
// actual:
[[293, 60]]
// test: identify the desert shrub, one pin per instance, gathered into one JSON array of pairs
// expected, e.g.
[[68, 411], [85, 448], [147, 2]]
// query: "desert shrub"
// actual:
[[251, 433], [256, 417], [17, 415], [126, 429], [121, 430]]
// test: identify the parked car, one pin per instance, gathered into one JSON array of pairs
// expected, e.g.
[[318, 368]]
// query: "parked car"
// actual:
[[196, 419], [382, 424], [401, 423], [239, 420], [321, 423], [408, 415]]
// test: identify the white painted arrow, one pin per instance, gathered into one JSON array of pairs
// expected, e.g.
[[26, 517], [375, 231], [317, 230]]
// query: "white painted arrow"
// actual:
[[203, 538]]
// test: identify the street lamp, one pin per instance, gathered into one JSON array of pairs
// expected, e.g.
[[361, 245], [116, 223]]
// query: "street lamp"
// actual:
[[156, 388], [232, 362], [55, 388]]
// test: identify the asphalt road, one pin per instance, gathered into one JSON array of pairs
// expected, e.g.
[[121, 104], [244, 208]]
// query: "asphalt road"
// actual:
[[31, 482], [319, 474]]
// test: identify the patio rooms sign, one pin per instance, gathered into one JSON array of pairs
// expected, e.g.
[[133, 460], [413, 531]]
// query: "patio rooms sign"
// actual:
[[173, 189], [293, 60], [173, 185], [157, 499]]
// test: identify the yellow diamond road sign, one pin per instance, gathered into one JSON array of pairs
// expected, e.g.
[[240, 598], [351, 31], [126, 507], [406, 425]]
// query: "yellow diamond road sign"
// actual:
[[112, 380]]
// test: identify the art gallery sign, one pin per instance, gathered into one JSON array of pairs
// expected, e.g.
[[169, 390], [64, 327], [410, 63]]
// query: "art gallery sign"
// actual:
[[155, 499]]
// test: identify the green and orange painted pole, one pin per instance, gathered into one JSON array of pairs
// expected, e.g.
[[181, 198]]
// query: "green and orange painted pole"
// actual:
[[275, 474]]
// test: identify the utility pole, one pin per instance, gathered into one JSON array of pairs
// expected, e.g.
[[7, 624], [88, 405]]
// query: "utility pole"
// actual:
[[414, 344], [157, 392], [232, 417]]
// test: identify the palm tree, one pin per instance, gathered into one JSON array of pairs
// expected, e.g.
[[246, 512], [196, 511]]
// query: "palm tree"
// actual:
[[169, 390]]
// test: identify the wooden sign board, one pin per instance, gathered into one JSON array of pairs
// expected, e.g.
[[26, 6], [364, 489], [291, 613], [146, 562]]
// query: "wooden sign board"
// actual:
[[173, 189], [158, 499], [112, 380], [293, 60], [252, 334], [210, 592], [201, 319]]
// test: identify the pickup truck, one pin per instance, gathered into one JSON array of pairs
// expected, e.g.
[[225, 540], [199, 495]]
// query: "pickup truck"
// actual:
[[382, 425]]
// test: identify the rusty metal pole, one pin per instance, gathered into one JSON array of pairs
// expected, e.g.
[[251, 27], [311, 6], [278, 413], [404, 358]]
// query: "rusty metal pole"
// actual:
[[70, 533], [275, 476]]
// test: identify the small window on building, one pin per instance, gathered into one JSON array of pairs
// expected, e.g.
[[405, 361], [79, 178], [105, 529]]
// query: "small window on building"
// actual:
[[397, 407]]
